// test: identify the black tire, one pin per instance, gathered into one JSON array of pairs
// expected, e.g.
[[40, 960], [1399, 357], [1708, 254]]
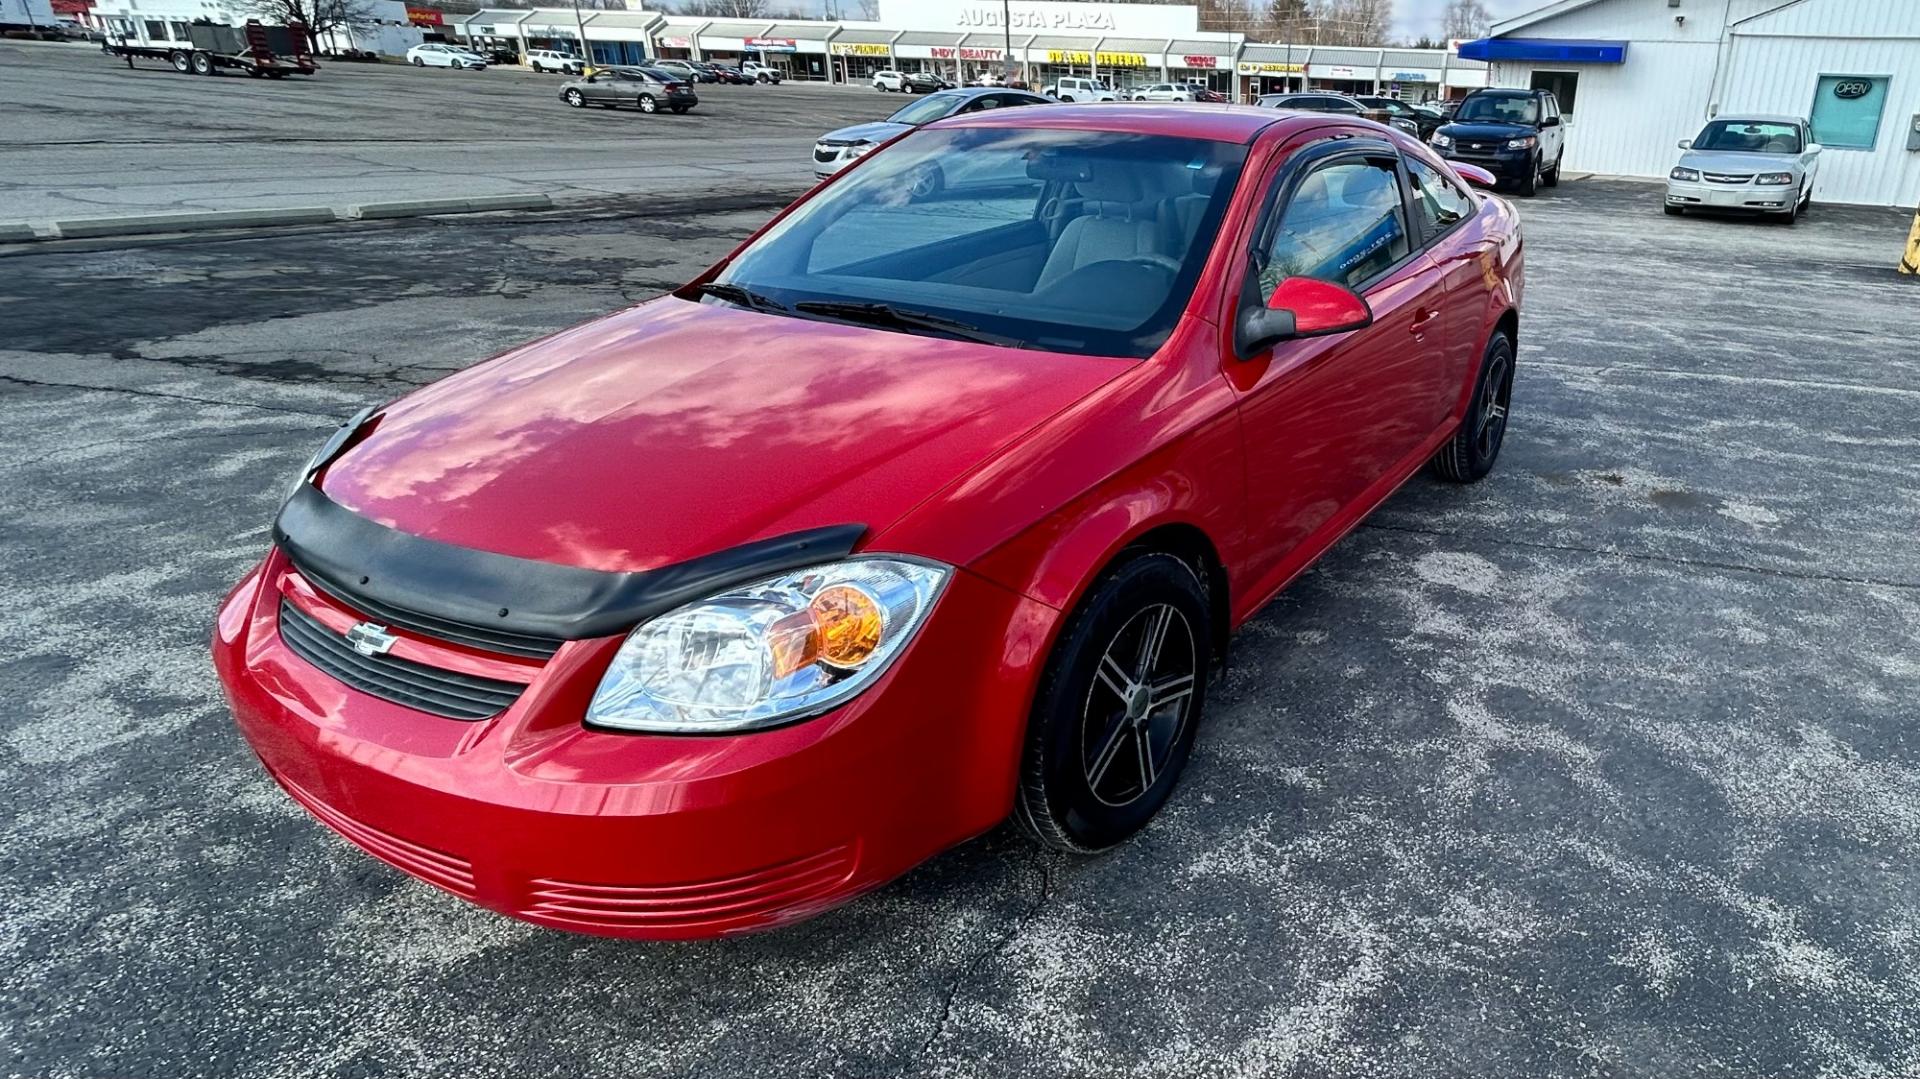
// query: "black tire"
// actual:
[[1469, 455], [681, 110], [417, 62], [180, 62], [1103, 751], [537, 69], [647, 104], [1532, 183], [202, 64], [1673, 211], [575, 99], [1552, 176]]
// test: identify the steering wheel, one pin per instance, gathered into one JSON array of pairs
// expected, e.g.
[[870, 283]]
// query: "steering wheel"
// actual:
[[1170, 265]]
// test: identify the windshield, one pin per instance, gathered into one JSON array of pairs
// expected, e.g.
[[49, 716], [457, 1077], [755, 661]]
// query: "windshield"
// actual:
[[1500, 109], [1750, 137], [1071, 241], [927, 109]]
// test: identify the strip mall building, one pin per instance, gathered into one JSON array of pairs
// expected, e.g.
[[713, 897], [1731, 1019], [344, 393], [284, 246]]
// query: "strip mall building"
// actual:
[[1126, 44]]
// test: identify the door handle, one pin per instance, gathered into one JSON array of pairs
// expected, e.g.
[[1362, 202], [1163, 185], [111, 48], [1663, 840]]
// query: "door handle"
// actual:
[[1424, 318]]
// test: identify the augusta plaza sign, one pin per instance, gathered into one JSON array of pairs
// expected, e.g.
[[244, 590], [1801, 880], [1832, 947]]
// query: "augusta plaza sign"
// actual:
[[1042, 17]]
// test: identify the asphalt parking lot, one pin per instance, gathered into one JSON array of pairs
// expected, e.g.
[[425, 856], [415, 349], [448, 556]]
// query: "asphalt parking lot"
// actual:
[[84, 136], [1605, 766]]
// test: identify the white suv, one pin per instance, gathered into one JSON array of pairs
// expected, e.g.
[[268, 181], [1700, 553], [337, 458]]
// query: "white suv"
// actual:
[[759, 72], [1073, 89], [1163, 91], [550, 60], [889, 80]]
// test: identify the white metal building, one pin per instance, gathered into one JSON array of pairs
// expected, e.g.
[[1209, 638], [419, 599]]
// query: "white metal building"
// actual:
[[1636, 76]]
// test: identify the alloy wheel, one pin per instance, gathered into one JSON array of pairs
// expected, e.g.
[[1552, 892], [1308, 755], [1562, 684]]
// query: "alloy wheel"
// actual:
[[1138, 705], [1491, 414]]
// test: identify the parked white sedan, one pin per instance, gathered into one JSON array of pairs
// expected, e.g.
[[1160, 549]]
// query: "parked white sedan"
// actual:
[[1763, 164], [1162, 91], [435, 54]]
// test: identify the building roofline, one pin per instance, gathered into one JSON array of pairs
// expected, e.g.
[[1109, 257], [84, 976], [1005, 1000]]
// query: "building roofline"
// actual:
[[1503, 27]]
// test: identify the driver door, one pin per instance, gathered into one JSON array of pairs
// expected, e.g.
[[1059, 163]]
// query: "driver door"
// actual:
[[1332, 423]]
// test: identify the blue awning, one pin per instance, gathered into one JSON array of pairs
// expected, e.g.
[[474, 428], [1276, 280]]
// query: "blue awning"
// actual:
[[1549, 50]]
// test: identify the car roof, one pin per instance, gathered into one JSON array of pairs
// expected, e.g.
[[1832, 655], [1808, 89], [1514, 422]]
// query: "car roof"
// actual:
[[1217, 123], [1505, 91], [971, 92]]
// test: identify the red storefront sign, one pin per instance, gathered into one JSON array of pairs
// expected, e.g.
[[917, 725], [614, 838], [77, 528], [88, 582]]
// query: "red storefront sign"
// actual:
[[425, 16], [1201, 61]]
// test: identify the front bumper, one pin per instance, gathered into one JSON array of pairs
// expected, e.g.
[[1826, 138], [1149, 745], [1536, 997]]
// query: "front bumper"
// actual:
[[533, 815], [1695, 194], [1510, 166], [840, 159]]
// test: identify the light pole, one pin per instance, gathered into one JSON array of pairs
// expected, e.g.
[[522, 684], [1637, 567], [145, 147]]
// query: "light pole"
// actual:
[[1006, 49], [586, 51]]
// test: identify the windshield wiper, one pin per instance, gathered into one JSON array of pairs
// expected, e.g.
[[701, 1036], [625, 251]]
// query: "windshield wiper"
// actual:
[[744, 297], [885, 314]]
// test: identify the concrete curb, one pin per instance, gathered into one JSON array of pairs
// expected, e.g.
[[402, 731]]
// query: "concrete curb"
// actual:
[[426, 207], [79, 228], [147, 224]]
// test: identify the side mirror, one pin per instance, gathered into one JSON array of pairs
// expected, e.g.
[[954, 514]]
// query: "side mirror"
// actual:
[[1686, 144], [1551, 121], [1813, 147], [1475, 175], [1299, 307]]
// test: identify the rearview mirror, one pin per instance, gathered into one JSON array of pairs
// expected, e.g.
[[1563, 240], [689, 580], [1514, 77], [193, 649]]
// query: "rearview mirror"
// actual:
[[1686, 144], [1475, 175], [1299, 307]]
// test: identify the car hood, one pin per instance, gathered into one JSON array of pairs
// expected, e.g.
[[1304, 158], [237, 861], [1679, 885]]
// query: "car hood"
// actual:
[[877, 131], [1485, 131], [1736, 161], [675, 429]]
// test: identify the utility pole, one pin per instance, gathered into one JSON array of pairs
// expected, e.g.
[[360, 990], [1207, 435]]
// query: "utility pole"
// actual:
[[1006, 50], [586, 51]]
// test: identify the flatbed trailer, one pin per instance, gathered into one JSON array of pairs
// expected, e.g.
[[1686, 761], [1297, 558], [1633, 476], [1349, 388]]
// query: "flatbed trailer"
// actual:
[[256, 48]]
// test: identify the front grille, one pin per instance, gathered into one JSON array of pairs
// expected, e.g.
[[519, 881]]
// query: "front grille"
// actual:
[[484, 638], [1726, 177], [416, 685], [826, 154], [778, 892]]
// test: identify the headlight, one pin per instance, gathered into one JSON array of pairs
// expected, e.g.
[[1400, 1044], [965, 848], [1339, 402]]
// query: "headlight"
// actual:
[[767, 653], [1521, 143], [1442, 140], [861, 149], [1683, 174], [1773, 179]]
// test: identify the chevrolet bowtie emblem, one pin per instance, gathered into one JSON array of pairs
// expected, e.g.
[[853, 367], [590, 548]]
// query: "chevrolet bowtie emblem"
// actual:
[[369, 639]]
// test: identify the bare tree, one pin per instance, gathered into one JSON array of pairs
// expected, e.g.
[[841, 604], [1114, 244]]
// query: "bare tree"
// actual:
[[1466, 19], [320, 16], [1352, 22], [731, 9]]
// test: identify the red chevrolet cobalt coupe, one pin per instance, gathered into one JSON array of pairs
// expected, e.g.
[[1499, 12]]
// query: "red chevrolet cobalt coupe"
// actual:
[[933, 503]]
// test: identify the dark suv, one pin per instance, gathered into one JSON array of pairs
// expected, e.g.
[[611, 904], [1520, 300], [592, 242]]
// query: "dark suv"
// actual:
[[1518, 135]]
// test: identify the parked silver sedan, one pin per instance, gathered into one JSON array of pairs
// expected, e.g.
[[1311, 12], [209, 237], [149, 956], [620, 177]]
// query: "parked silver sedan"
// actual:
[[835, 150], [1758, 164], [647, 89]]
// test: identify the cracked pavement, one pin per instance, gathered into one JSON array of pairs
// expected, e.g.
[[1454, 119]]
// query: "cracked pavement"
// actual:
[[86, 137], [1605, 766]]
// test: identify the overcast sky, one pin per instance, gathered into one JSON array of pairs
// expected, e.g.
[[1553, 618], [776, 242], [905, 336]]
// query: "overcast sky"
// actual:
[[1416, 17]]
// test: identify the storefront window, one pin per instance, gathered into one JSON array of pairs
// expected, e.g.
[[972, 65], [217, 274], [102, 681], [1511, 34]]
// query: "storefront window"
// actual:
[[1846, 110]]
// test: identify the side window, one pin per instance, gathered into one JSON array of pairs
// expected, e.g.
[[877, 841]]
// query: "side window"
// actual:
[[1343, 225], [1440, 204]]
